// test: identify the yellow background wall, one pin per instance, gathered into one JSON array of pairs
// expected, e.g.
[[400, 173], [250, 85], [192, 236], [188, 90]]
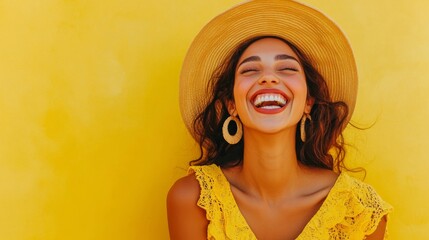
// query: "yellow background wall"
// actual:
[[91, 136]]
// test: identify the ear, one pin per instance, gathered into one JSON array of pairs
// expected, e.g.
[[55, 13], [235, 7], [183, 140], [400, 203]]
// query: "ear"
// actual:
[[309, 104], [231, 108]]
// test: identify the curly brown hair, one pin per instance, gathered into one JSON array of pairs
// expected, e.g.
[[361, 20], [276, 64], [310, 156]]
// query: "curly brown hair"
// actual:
[[324, 147]]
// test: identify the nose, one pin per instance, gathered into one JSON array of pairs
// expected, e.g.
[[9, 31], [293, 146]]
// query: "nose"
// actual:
[[268, 79]]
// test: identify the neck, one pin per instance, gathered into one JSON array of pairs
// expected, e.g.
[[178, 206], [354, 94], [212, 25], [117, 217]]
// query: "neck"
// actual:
[[270, 166]]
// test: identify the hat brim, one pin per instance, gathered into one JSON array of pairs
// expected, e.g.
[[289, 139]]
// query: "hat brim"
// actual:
[[309, 30]]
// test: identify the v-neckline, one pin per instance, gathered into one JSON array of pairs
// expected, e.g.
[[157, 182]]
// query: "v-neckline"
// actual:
[[309, 223]]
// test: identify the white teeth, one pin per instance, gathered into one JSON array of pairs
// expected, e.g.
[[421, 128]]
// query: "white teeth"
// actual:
[[270, 97], [271, 107]]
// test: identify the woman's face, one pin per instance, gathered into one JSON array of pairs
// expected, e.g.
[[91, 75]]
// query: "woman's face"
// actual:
[[270, 91]]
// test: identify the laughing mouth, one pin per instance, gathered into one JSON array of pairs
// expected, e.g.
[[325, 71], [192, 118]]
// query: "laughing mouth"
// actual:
[[269, 101]]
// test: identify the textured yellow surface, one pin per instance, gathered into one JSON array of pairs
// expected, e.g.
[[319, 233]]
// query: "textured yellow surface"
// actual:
[[90, 132]]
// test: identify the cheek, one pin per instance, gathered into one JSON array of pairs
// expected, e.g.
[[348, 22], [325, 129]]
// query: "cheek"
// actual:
[[298, 86], [241, 89]]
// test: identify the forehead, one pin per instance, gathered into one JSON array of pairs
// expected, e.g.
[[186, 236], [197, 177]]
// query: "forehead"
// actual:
[[268, 46]]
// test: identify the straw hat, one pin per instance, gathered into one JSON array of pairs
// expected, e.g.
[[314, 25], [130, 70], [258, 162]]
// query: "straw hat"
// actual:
[[312, 32]]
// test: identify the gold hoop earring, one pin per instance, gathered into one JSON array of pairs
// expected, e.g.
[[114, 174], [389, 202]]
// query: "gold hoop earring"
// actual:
[[302, 129], [229, 138]]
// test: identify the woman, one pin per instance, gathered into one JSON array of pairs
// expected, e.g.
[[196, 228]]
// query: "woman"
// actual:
[[281, 81]]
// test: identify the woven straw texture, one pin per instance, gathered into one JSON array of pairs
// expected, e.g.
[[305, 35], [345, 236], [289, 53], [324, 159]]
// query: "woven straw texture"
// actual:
[[308, 29]]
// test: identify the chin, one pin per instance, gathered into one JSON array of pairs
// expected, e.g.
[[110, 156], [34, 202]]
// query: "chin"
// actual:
[[276, 130]]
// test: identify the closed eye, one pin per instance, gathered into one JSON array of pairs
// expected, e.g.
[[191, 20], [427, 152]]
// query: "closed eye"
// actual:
[[248, 70], [289, 69]]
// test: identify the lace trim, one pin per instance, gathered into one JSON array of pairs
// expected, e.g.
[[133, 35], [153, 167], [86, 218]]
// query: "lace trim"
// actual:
[[351, 210], [226, 221]]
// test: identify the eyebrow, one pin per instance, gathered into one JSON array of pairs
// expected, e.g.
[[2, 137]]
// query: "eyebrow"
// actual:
[[250, 59], [285, 56], [278, 57]]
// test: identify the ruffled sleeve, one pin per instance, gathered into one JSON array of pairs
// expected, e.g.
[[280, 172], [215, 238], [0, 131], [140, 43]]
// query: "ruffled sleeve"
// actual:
[[225, 219], [352, 210]]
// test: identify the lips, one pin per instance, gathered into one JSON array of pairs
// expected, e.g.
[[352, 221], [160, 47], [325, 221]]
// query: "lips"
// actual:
[[269, 101]]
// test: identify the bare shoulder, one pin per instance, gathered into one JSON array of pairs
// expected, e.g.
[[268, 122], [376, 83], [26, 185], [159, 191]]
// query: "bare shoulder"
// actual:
[[185, 190], [328, 178], [185, 219], [380, 231], [320, 180]]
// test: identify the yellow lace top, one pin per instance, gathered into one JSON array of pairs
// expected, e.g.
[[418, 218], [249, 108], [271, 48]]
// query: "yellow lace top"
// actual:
[[352, 209]]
